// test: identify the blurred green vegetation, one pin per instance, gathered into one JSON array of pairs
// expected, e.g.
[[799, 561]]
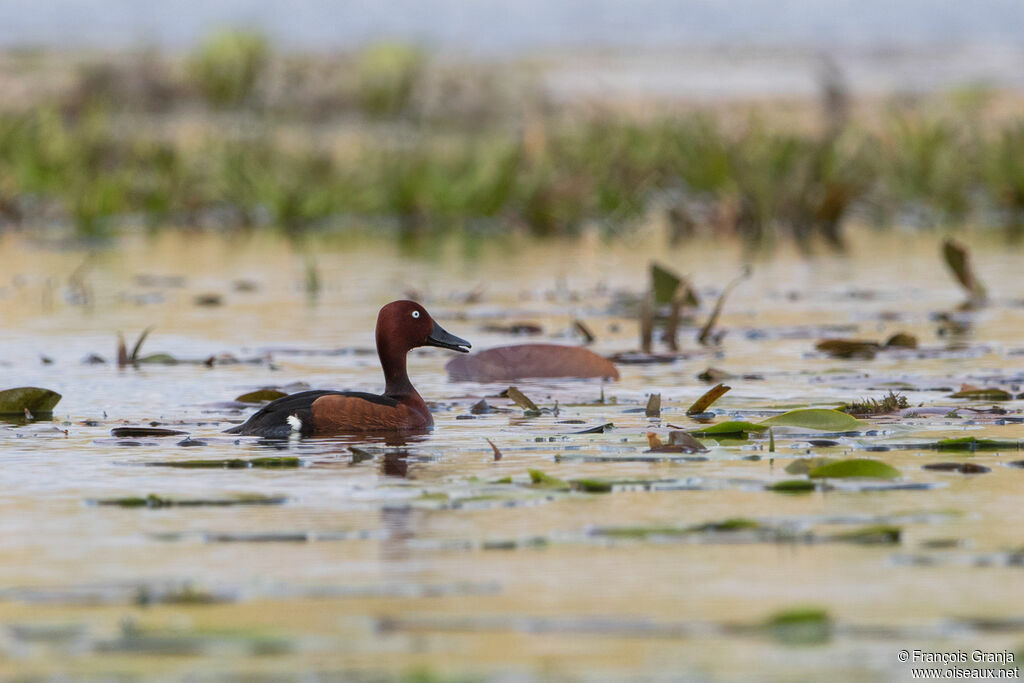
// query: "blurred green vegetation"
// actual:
[[238, 139]]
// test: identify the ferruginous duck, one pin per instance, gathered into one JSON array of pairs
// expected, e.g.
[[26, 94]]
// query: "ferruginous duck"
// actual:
[[401, 327]]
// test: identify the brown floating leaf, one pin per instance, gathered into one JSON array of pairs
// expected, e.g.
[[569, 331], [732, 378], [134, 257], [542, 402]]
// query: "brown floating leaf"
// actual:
[[522, 400], [901, 340], [982, 394], [705, 334], [961, 467], [680, 442], [959, 261], [508, 363], [497, 453], [261, 396], [134, 432], [597, 429], [702, 404], [848, 348], [678, 437], [653, 406], [481, 407]]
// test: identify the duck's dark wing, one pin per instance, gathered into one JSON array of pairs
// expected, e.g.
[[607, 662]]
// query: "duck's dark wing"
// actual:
[[272, 419]]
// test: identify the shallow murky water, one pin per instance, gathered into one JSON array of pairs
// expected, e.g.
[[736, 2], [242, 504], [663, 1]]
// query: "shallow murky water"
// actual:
[[422, 557]]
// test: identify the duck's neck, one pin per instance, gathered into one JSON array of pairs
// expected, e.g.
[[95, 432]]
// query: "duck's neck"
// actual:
[[396, 377]]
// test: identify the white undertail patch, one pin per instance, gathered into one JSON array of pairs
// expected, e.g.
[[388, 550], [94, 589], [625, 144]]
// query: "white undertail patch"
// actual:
[[295, 422]]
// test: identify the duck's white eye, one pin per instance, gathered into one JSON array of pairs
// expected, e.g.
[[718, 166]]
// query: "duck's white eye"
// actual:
[[415, 314]]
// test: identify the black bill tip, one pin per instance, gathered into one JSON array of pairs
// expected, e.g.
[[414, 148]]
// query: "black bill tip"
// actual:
[[442, 338]]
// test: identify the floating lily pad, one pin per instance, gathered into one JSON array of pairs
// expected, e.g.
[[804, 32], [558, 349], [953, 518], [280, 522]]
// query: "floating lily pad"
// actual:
[[591, 485], [136, 432], [33, 399], [877, 534], [970, 443], [821, 419], [805, 465], [792, 486], [232, 463], [855, 467], [989, 394], [961, 467], [730, 427]]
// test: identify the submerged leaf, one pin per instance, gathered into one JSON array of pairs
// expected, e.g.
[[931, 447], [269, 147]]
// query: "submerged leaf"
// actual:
[[33, 399], [508, 363], [822, 419], [855, 467]]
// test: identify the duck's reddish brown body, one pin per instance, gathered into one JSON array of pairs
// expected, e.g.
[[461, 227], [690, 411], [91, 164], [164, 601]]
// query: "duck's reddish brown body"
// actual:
[[401, 326]]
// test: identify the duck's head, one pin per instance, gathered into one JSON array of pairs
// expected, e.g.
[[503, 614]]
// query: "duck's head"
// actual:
[[405, 325]]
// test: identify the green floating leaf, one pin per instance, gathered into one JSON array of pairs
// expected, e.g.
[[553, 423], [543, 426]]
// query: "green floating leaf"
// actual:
[[970, 443], [805, 465], [822, 419], [730, 427], [802, 626], [991, 394], [35, 400], [591, 485], [877, 534], [261, 396], [731, 524], [540, 480], [270, 462], [855, 467], [792, 486]]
